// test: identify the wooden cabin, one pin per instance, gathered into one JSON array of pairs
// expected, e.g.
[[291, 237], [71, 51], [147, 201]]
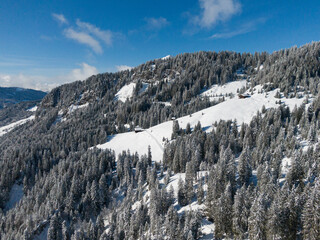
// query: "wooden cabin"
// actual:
[[242, 96], [138, 129]]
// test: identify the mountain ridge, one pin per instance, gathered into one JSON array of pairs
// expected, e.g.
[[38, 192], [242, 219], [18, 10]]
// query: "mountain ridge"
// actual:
[[254, 170], [13, 95]]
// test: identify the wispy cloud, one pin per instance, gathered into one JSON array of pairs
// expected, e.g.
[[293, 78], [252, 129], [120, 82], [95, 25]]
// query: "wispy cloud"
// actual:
[[86, 33], [156, 23], [245, 28], [83, 38], [104, 35], [47, 83], [11, 62], [214, 11], [60, 18], [123, 67]]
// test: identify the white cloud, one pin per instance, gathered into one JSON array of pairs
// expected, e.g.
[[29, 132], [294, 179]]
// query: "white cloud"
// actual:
[[84, 38], [26, 81], [156, 23], [123, 68], [59, 18], [245, 28], [47, 83], [87, 34], [82, 73], [104, 35], [214, 11]]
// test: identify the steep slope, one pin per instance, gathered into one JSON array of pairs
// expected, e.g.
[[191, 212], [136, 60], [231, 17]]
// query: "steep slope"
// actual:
[[241, 110], [73, 190], [7, 128]]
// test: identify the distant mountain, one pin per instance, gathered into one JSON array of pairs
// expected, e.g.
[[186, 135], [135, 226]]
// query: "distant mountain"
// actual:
[[13, 95]]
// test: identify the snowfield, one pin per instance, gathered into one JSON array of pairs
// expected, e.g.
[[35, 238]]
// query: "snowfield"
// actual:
[[242, 110], [217, 91], [11, 126], [125, 92]]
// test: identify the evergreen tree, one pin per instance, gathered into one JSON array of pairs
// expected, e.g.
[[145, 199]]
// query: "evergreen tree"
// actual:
[[311, 213], [244, 167]]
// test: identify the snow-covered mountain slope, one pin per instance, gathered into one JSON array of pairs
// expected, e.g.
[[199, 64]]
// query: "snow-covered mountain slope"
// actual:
[[243, 110], [229, 88], [10, 127], [125, 92]]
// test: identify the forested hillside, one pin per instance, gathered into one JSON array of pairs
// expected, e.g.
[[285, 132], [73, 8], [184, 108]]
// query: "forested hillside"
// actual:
[[256, 179]]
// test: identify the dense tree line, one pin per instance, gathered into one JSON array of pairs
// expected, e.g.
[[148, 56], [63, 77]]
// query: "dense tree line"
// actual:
[[73, 191]]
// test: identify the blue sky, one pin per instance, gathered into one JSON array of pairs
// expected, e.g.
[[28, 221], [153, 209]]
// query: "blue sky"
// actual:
[[46, 43]]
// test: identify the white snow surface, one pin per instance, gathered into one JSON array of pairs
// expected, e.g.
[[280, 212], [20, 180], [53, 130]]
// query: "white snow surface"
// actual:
[[259, 68], [11, 126], [243, 110], [144, 88], [220, 90], [166, 57], [16, 194], [62, 115], [285, 165], [43, 235], [76, 107], [125, 92], [33, 109]]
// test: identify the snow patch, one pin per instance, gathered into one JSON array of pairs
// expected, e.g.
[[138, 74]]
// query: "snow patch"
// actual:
[[166, 57], [207, 229], [73, 107], [16, 194], [259, 68], [33, 109], [222, 90], [285, 165], [125, 92], [43, 235], [144, 88], [11, 126]]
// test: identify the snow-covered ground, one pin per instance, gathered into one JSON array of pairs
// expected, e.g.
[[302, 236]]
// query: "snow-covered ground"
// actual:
[[125, 92], [242, 110], [33, 109], [222, 90], [285, 165], [16, 194], [76, 107], [11, 126], [166, 57], [43, 235], [62, 115], [259, 68]]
